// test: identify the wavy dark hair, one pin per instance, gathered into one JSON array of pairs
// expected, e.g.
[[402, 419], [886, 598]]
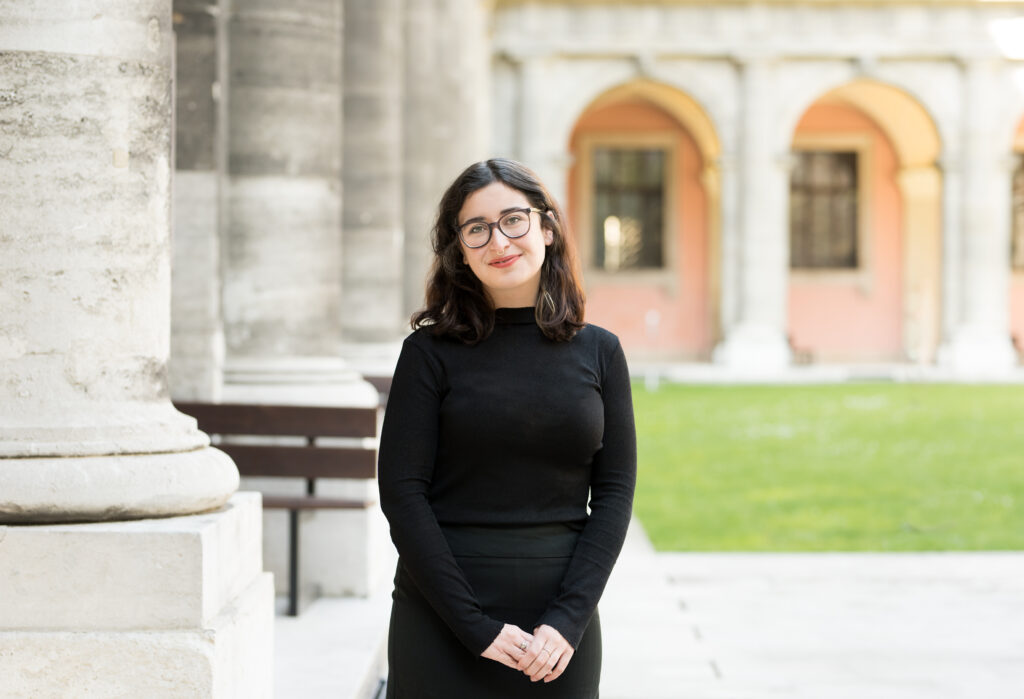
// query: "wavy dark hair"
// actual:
[[457, 304]]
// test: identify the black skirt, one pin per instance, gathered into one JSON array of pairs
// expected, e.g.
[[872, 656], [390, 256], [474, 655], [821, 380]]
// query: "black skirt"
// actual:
[[515, 572]]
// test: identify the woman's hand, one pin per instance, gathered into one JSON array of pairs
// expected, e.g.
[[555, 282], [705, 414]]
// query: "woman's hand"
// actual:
[[509, 646], [548, 655]]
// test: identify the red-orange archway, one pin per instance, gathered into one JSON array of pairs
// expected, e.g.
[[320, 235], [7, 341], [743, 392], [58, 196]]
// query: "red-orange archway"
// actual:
[[669, 312], [888, 308]]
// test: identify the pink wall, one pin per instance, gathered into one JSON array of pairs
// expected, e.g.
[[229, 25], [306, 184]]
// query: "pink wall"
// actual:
[[844, 316], [684, 303], [1017, 279]]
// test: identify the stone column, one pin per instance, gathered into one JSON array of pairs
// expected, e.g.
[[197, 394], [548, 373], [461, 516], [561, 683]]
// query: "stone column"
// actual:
[[980, 339], [149, 607], [197, 331], [87, 431], [373, 309], [421, 185], [282, 256], [730, 246], [920, 188], [755, 339], [282, 252]]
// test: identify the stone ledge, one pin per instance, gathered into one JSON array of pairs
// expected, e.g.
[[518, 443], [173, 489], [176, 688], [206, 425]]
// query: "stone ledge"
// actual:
[[229, 657], [174, 573]]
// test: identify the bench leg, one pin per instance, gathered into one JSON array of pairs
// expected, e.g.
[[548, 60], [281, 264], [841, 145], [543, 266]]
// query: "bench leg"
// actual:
[[293, 562]]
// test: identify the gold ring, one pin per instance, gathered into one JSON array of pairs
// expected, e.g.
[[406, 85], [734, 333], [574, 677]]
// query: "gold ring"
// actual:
[[522, 645]]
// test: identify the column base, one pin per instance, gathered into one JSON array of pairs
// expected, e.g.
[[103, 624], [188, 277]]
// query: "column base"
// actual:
[[296, 381], [172, 607], [754, 350], [978, 352], [114, 487]]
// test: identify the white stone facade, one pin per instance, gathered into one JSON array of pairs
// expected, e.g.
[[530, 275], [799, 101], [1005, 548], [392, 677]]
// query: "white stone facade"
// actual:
[[754, 68]]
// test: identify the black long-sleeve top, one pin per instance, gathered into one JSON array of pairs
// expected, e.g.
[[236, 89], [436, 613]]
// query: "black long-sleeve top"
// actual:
[[515, 430]]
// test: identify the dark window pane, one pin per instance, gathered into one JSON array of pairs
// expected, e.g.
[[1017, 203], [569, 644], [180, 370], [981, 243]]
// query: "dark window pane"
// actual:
[[1017, 249], [823, 210], [629, 198]]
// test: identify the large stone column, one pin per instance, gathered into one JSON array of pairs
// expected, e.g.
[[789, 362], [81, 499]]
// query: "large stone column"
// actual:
[[421, 185], [373, 308], [87, 431], [281, 249], [173, 605], [755, 337], [980, 338], [282, 258], [197, 331]]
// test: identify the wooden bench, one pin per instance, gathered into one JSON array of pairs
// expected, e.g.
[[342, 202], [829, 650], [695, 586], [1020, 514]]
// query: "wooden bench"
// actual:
[[227, 421]]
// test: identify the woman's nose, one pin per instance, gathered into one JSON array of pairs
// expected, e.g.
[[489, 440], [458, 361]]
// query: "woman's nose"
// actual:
[[498, 240]]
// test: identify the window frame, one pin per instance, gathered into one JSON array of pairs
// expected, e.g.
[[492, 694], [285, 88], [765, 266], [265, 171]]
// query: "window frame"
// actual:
[[860, 143], [586, 145]]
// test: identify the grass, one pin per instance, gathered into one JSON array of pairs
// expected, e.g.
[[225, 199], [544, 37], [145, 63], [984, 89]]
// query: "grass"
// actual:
[[854, 467]]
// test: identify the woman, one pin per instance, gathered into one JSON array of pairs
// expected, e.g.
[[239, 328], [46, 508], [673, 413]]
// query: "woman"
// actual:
[[506, 411]]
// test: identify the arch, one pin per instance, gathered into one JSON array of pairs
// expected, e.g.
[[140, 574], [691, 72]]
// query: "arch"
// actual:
[[914, 138], [680, 105], [684, 294]]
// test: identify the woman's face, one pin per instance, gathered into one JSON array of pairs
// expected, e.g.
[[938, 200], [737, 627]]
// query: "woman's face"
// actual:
[[508, 268]]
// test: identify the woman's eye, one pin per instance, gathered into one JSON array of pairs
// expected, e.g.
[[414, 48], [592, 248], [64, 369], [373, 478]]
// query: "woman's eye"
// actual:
[[477, 229], [513, 219]]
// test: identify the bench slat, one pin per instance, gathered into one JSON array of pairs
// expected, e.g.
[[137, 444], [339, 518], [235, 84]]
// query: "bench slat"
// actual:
[[299, 502], [282, 420], [302, 462]]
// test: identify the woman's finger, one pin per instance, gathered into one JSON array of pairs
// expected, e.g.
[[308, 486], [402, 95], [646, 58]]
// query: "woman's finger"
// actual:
[[559, 668], [547, 662]]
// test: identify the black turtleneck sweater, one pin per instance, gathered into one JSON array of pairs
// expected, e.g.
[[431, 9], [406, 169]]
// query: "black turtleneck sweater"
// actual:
[[515, 430]]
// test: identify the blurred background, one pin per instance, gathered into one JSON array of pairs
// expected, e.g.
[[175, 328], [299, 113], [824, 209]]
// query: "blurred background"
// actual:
[[754, 184]]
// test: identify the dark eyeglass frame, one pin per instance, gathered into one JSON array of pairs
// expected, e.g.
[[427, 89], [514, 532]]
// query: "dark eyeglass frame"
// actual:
[[492, 224]]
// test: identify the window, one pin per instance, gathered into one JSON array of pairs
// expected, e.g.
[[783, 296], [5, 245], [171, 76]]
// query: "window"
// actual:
[[823, 211], [629, 208], [1017, 241]]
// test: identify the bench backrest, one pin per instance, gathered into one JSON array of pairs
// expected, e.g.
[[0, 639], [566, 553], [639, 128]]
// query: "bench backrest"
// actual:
[[309, 461]]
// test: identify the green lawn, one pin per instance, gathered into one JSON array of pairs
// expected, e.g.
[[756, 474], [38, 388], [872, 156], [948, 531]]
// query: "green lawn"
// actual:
[[856, 467]]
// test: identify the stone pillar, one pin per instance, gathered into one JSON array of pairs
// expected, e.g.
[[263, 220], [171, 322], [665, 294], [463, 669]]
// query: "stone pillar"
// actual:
[[729, 254], [282, 254], [87, 431], [445, 100], [173, 605], [980, 337], [755, 339], [952, 232], [197, 332], [373, 309], [281, 249], [921, 188], [421, 185]]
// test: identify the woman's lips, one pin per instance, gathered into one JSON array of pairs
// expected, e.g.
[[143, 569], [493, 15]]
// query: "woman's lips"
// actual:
[[504, 261]]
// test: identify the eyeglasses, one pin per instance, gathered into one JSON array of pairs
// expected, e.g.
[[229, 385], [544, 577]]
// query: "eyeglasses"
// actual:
[[513, 224]]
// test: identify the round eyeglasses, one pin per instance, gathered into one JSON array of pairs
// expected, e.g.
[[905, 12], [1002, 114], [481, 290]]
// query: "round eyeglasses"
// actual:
[[514, 223]]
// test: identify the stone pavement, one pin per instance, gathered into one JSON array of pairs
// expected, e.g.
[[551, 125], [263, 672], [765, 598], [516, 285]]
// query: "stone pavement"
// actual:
[[745, 626]]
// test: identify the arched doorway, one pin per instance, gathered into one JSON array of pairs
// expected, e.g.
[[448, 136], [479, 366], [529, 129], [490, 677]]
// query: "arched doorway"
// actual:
[[643, 193], [865, 201]]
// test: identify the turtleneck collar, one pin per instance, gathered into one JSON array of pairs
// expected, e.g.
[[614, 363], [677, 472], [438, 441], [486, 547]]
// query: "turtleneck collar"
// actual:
[[515, 316]]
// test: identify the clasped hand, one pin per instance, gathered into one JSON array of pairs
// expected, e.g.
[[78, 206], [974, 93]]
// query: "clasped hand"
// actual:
[[546, 653]]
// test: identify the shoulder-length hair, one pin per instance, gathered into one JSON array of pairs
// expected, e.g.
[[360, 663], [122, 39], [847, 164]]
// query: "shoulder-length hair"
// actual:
[[457, 304]]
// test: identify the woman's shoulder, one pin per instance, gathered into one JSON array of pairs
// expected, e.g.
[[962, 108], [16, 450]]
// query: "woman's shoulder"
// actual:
[[601, 337]]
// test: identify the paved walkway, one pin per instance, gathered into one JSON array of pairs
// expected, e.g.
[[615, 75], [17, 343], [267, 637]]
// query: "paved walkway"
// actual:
[[746, 626]]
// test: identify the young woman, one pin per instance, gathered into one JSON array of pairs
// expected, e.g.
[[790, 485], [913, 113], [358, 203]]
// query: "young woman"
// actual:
[[507, 417]]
